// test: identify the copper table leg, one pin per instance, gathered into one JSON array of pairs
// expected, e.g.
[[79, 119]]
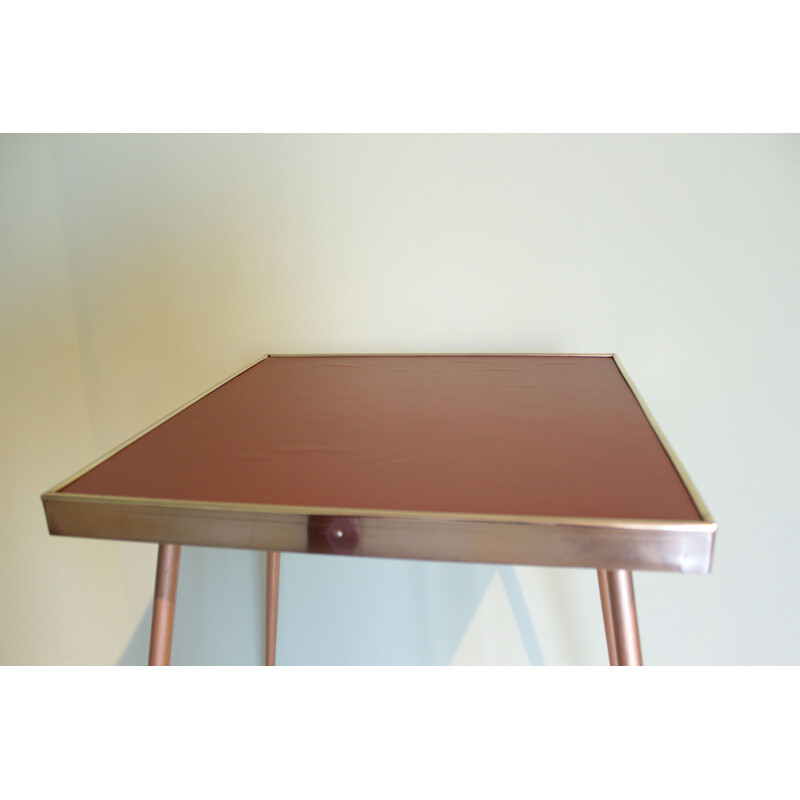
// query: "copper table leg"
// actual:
[[624, 626], [608, 621], [169, 557], [273, 575]]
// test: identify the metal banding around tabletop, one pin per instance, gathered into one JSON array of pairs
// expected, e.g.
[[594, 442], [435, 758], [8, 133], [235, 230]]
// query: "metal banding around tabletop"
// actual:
[[542, 541]]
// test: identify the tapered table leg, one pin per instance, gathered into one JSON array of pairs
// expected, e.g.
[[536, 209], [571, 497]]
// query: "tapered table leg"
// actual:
[[608, 621], [624, 627], [273, 575], [169, 557]]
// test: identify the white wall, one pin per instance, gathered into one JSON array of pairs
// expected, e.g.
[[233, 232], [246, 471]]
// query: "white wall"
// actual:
[[138, 270]]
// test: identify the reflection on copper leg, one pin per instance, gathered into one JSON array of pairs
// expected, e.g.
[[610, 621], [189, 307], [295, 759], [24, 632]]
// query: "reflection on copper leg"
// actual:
[[608, 622], [623, 617], [273, 574], [169, 558]]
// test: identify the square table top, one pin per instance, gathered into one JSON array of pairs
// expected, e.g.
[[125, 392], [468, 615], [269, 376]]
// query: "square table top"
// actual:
[[529, 459]]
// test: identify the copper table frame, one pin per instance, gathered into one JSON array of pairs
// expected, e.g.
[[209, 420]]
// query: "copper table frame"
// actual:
[[612, 546]]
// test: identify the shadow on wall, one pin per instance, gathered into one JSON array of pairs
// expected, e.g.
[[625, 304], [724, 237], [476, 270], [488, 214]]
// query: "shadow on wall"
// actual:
[[333, 610]]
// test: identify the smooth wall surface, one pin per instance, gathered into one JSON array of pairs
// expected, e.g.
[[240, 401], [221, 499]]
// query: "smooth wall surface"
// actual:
[[136, 271]]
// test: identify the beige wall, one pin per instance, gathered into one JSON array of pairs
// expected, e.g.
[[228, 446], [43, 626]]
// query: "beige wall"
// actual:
[[136, 271]]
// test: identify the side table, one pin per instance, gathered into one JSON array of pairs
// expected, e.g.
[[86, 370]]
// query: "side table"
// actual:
[[550, 460]]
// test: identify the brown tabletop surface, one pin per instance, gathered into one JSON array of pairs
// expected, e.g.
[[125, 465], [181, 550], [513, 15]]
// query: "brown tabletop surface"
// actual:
[[529, 436]]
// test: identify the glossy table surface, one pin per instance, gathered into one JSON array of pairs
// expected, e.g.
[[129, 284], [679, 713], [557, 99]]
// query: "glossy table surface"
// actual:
[[541, 459]]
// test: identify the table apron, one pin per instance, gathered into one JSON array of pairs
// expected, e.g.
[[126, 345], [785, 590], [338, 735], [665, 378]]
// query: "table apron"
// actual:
[[665, 547]]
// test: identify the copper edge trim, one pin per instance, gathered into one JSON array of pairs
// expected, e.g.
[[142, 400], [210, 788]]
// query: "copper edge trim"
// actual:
[[656, 525], [701, 507], [441, 355], [59, 486]]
